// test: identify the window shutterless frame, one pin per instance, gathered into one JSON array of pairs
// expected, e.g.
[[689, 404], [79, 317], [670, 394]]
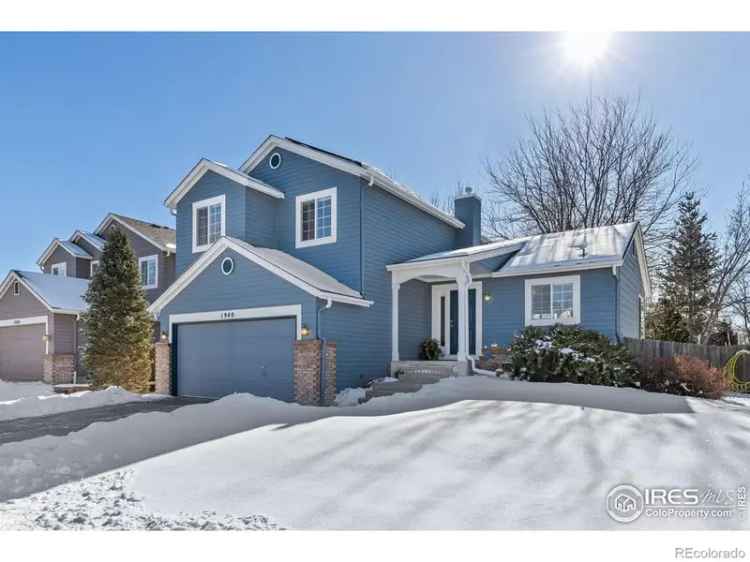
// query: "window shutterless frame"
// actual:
[[574, 280], [149, 281], [207, 204], [317, 204]]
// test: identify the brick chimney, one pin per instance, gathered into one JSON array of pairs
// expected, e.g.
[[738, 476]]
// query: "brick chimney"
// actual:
[[468, 209]]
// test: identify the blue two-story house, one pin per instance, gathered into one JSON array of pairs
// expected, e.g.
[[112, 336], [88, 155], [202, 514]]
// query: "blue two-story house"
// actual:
[[301, 244]]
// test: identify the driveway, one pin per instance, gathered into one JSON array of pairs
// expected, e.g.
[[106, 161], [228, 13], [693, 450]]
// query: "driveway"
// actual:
[[22, 429]]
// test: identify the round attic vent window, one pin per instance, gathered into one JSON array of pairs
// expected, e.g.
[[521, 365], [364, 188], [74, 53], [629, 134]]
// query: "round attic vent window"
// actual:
[[227, 266], [275, 160]]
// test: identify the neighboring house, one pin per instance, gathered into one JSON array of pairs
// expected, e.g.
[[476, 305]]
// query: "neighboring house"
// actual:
[[40, 335], [300, 244]]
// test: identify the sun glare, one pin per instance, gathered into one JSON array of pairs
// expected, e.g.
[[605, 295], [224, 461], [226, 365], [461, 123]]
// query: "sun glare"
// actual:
[[583, 48]]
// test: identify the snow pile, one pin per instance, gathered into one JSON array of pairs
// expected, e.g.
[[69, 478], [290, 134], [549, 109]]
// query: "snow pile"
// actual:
[[350, 396], [44, 405], [103, 503], [16, 390], [464, 453]]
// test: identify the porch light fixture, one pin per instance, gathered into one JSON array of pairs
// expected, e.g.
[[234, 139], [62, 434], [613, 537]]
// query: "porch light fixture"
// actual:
[[304, 331], [163, 336], [488, 297]]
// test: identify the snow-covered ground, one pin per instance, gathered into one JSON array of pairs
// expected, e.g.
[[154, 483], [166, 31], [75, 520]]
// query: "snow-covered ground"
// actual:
[[31, 405], [16, 390], [466, 453]]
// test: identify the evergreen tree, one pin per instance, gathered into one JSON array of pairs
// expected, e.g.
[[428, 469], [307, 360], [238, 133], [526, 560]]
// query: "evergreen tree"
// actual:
[[664, 322], [689, 269], [118, 327]]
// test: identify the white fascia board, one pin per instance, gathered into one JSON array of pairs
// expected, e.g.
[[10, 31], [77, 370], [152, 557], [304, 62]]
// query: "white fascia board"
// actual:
[[27, 321], [112, 218], [213, 252], [642, 263], [204, 165], [603, 264], [365, 172]]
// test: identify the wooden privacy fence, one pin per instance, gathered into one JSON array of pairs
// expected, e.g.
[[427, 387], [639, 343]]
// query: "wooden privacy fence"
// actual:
[[717, 355]]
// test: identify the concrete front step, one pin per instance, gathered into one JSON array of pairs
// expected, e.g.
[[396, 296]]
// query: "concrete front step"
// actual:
[[422, 378]]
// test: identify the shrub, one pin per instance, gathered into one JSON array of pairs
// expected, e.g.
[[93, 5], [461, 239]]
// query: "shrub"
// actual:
[[571, 354], [430, 350], [683, 375]]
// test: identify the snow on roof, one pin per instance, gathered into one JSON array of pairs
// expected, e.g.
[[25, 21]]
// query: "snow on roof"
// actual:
[[300, 269], [603, 244], [96, 241], [74, 249], [58, 292], [471, 251], [573, 248]]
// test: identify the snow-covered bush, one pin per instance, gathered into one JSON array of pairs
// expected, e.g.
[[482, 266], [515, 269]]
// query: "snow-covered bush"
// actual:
[[683, 375], [570, 354]]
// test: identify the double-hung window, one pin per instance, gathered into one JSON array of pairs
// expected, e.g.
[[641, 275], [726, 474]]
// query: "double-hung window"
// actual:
[[553, 300], [149, 271], [94, 268], [209, 222], [59, 269], [316, 218]]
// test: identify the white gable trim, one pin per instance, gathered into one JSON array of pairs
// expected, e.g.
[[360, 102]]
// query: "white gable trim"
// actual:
[[642, 263], [110, 218], [372, 175], [93, 241], [56, 242], [13, 276], [204, 165], [225, 243]]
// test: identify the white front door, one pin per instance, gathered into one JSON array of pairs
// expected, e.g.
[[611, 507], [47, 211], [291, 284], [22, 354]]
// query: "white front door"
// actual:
[[445, 318]]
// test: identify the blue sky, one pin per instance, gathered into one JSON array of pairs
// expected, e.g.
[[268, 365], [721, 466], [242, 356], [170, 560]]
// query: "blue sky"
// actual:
[[92, 123]]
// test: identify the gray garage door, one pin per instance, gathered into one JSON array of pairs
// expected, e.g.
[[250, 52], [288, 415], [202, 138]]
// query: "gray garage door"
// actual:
[[219, 358], [22, 353]]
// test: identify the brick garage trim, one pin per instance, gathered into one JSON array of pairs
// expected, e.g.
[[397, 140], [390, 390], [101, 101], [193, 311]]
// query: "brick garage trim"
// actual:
[[163, 368], [59, 368], [307, 372]]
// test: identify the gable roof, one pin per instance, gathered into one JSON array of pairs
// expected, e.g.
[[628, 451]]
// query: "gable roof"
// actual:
[[63, 295], [96, 241], [68, 246], [163, 237], [349, 165], [297, 272], [205, 165]]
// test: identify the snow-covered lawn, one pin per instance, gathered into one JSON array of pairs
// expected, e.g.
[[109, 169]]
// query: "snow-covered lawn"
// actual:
[[15, 390], [46, 402], [466, 453]]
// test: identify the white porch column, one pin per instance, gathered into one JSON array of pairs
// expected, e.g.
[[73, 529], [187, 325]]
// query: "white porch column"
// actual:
[[395, 286], [463, 280]]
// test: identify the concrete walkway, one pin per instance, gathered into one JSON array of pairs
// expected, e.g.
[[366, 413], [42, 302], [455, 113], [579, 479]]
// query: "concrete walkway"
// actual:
[[22, 429]]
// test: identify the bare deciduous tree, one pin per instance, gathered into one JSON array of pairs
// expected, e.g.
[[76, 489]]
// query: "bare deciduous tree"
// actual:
[[605, 162], [734, 264]]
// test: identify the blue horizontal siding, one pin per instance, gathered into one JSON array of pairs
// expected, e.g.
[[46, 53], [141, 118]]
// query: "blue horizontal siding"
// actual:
[[250, 286]]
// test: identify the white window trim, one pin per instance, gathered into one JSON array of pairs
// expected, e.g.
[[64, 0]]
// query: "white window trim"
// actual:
[[270, 159], [222, 199], [91, 267], [293, 310], [444, 290], [155, 259], [575, 280], [62, 266], [300, 199]]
